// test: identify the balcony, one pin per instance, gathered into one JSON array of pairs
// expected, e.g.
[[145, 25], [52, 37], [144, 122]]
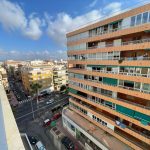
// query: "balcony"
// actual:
[[116, 85], [110, 72], [116, 32], [94, 131], [136, 136], [122, 43], [114, 100]]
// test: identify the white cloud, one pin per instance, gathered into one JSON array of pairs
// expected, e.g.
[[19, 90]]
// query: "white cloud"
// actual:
[[58, 27], [12, 17], [33, 30], [113, 8], [94, 2]]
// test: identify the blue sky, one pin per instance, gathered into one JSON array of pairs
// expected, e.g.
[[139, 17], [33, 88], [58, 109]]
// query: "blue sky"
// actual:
[[35, 29]]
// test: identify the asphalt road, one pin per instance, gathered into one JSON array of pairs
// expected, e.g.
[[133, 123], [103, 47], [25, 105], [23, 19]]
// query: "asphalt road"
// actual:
[[17, 89]]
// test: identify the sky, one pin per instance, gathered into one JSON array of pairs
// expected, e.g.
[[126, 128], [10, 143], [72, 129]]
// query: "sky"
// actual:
[[36, 29]]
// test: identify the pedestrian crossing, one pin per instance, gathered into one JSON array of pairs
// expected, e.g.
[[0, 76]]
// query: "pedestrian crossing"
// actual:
[[24, 101]]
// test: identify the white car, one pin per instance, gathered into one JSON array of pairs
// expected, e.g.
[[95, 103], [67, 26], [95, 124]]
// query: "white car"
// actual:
[[50, 101], [39, 146]]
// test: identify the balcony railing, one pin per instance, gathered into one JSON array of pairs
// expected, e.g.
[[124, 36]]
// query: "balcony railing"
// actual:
[[121, 27], [114, 58], [117, 98], [114, 72], [125, 87], [110, 118], [128, 138], [134, 89], [122, 43]]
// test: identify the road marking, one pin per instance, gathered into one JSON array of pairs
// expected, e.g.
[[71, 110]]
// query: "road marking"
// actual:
[[40, 108], [24, 101]]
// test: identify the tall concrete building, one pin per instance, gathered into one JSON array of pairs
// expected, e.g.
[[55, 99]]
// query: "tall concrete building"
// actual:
[[109, 81]]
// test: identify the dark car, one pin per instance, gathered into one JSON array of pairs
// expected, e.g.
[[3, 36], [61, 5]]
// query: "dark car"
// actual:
[[32, 140], [56, 116], [67, 143]]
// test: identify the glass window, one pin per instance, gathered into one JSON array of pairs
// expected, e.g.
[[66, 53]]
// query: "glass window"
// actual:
[[138, 19], [132, 21], [137, 85], [145, 17], [121, 82], [146, 87]]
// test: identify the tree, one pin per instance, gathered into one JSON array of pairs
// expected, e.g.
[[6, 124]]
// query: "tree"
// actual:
[[62, 88], [35, 89]]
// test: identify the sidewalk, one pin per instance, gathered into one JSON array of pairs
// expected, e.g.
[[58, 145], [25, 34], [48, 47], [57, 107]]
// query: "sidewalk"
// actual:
[[68, 134]]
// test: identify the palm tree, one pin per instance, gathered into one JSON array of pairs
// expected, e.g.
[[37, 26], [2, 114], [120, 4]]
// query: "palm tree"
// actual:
[[35, 89]]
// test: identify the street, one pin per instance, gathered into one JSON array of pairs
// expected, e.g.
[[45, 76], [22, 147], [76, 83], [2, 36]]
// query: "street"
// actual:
[[30, 113], [24, 112]]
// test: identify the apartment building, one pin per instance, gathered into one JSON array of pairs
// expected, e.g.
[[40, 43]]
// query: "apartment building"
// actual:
[[109, 82], [3, 78], [60, 76], [37, 74]]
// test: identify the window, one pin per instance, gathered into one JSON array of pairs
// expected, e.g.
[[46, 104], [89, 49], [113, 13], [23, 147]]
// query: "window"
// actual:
[[138, 19], [105, 124], [133, 21], [121, 82], [145, 17], [146, 87], [137, 85]]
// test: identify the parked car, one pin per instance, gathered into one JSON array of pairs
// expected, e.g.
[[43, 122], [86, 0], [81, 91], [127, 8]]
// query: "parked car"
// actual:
[[56, 116], [50, 101], [32, 140], [46, 122], [39, 146], [67, 143]]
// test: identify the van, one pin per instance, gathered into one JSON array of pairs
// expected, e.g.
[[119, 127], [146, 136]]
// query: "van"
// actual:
[[39, 146]]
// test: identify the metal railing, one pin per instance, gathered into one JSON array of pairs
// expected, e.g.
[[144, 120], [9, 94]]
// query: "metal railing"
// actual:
[[125, 87], [121, 43], [114, 72], [109, 31], [121, 27], [134, 89], [114, 58], [112, 119], [141, 133], [116, 98]]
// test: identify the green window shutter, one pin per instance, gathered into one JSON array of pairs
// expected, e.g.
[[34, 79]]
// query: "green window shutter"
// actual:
[[125, 111], [145, 123], [72, 91], [142, 117], [108, 103], [110, 81]]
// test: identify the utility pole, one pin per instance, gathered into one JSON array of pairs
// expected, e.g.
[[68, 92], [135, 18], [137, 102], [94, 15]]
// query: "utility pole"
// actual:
[[32, 107]]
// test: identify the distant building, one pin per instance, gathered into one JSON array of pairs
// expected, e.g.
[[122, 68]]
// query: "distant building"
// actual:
[[3, 78], [37, 74], [60, 76]]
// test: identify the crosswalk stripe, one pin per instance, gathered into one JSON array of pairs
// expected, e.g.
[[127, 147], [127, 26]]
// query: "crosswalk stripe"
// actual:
[[24, 101]]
